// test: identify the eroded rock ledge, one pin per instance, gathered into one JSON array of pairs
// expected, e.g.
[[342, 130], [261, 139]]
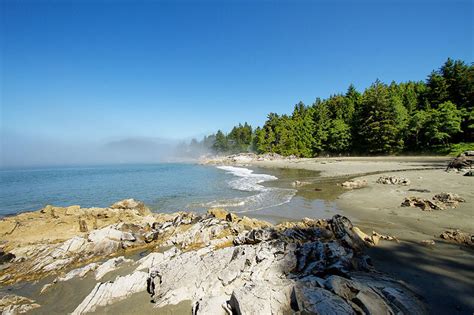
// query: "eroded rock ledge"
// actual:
[[220, 262]]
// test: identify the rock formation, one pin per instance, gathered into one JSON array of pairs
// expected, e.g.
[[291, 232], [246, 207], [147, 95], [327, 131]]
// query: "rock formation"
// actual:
[[440, 201], [220, 262], [393, 180]]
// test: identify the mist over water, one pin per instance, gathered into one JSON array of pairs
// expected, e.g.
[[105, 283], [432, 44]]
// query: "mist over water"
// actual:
[[19, 150]]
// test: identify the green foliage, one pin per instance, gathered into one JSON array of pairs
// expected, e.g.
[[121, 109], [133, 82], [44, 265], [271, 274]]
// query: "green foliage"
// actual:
[[220, 142], [385, 119], [379, 116], [457, 148], [443, 123], [240, 138]]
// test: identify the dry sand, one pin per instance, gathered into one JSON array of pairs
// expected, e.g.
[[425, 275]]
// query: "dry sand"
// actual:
[[444, 273]]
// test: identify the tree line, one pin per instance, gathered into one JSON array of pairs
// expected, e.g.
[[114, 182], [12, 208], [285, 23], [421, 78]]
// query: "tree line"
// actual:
[[383, 119]]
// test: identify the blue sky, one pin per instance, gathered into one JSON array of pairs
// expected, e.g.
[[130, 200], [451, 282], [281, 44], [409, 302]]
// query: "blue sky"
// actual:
[[92, 71]]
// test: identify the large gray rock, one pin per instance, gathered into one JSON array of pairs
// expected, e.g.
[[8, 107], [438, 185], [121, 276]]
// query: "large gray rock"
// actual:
[[109, 292]]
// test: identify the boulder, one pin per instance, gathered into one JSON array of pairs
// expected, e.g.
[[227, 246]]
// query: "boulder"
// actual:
[[460, 162]]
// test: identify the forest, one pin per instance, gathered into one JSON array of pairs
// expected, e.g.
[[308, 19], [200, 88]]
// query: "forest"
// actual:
[[410, 117]]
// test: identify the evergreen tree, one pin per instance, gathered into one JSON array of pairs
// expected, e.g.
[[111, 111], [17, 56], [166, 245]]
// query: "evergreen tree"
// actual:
[[302, 126], [220, 143], [382, 120], [379, 131]]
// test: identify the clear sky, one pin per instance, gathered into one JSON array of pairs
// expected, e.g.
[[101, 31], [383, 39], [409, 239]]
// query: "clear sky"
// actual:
[[92, 71]]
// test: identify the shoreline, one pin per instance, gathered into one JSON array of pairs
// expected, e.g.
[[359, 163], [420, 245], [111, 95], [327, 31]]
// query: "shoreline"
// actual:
[[441, 274], [377, 207]]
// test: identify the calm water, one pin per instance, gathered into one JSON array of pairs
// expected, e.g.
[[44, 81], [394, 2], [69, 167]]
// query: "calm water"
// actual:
[[163, 187]]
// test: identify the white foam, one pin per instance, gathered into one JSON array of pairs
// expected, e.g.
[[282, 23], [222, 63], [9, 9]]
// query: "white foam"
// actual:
[[247, 180]]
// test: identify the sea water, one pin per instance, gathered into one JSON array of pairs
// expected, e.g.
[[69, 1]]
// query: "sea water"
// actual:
[[163, 187]]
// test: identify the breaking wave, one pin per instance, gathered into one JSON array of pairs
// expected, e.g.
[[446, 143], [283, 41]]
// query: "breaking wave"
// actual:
[[246, 180]]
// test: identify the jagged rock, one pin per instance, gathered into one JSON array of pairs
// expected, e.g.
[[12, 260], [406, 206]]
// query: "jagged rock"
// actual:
[[393, 180], [255, 236], [109, 292], [153, 259], [14, 304], [440, 202], [469, 173], [355, 184], [109, 239], [224, 265], [343, 229], [110, 265], [460, 162], [373, 239], [449, 199], [458, 237], [423, 204]]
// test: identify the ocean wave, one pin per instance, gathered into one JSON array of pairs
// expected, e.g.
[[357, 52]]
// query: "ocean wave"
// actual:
[[248, 181]]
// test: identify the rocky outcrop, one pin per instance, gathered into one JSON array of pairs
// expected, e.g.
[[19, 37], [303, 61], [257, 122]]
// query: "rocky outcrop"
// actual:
[[316, 267], [462, 161], [458, 236], [221, 263], [440, 201], [449, 199], [393, 180], [244, 158], [14, 304], [422, 203], [107, 293], [110, 265]]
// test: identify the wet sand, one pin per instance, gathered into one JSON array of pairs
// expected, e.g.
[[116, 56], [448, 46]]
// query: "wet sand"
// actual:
[[442, 274]]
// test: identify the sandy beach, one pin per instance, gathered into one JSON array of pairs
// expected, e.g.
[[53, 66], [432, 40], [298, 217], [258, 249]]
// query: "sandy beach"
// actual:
[[443, 274]]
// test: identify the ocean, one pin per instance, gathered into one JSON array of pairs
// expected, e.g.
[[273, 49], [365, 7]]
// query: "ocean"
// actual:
[[163, 187]]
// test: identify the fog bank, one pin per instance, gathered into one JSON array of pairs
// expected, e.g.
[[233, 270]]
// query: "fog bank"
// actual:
[[17, 150]]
